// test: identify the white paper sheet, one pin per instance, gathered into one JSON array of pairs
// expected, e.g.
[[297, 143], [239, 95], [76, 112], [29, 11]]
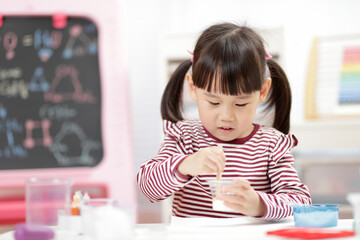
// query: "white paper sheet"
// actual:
[[203, 228], [206, 221]]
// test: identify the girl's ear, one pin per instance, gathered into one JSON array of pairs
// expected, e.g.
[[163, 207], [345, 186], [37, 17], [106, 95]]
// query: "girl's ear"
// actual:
[[265, 90], [191, 86]]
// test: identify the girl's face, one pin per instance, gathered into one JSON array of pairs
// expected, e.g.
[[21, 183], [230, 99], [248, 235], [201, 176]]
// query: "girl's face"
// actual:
[[227, 117]]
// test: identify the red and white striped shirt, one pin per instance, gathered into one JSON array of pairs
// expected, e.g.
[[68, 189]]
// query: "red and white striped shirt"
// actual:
[[263, 158]]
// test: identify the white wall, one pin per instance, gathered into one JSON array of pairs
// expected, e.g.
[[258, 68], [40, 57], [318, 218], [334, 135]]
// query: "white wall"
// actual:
[[149, 21]]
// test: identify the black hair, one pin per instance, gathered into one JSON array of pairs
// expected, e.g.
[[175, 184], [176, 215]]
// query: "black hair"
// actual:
[[236, 55]]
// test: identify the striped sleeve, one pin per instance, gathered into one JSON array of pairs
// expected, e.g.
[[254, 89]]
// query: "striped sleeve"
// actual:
[[158, 178], [285, 183]]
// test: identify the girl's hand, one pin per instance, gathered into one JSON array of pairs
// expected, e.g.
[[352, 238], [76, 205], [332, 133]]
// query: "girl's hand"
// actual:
[[207, 160], [244, 200]]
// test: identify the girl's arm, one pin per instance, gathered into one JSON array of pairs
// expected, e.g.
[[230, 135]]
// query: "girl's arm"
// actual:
[[159, 178], [177, 161], [286, 188], [173, 168]]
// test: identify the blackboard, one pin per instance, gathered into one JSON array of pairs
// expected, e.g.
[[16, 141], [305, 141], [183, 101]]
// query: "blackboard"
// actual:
[[50, 94]]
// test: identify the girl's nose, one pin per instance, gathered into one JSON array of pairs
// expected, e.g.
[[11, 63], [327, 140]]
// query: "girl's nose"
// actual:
[[227, 114]]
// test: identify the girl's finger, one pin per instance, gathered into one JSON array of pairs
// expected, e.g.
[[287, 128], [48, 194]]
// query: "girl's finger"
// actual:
[[211, 167], [234, 190], [233, 198], [235, 206], [243, 182], [219, 151], [218, 161]]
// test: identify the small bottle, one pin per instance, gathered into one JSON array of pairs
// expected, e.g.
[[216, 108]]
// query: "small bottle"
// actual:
[[75, 204], [86, 197]]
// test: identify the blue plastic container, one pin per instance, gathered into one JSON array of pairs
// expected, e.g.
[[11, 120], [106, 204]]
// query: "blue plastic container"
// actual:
[[316, 215]]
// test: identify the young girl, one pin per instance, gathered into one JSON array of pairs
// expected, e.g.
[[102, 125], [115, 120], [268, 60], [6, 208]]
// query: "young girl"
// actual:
[[231, 75]]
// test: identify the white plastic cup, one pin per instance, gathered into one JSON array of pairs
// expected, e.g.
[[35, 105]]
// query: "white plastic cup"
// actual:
[[354, 199], [45, 197], [218, 203]]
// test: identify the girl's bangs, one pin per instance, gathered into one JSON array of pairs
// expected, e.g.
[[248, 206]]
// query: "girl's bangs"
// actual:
[[231, 77]]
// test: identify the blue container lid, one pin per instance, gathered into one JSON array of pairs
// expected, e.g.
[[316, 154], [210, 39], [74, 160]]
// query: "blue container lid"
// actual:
[[315, 207], [316, 215]]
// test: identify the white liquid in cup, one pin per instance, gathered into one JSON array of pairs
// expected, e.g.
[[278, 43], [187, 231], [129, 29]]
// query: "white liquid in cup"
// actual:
[[219, 205]]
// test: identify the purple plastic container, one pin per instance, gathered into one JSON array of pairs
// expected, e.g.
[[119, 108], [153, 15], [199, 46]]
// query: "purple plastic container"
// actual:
[[33, 232]]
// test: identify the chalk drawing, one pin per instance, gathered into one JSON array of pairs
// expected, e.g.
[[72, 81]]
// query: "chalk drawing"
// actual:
[[45, 42], [31, 142], [60, 149], [77, 94], [10, 42], [38, 82], [9, 126], [86, 45]]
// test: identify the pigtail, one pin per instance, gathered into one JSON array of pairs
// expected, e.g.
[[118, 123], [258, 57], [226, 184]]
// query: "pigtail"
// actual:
[[171, 102], [280, 97]]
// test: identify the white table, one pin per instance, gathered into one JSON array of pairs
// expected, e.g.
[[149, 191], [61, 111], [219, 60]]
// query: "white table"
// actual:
[[217, 229], [222, 229]]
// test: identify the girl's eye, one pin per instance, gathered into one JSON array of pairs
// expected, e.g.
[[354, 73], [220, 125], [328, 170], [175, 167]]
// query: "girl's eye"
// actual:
[[240, 105], [214, 103]]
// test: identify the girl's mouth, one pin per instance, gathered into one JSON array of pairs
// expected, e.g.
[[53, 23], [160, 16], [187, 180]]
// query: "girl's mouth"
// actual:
[[226, 130]]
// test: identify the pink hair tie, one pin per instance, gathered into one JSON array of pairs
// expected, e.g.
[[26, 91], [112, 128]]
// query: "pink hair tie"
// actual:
[[192, 54], [1, 20], [268, 56]]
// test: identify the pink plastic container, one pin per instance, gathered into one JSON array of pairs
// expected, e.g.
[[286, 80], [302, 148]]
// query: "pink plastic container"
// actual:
[[45, 198]]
